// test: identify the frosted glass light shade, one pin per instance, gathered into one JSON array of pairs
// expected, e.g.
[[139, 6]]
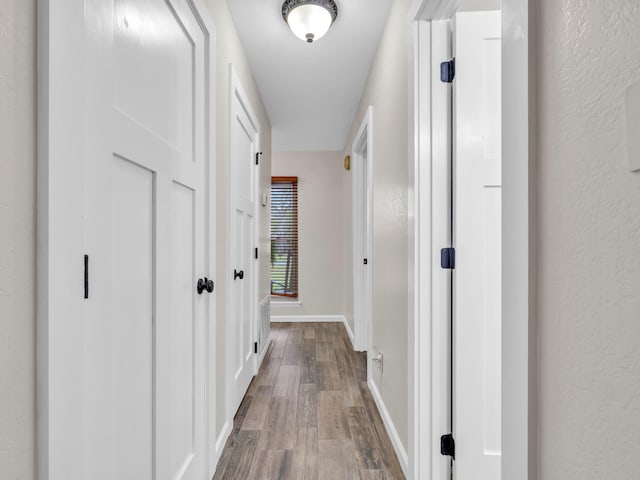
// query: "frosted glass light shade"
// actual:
[[309, 20]]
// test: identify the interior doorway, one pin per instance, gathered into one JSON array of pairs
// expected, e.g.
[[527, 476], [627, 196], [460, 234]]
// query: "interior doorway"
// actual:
[[460, 345], [362, 233], [468, 64]]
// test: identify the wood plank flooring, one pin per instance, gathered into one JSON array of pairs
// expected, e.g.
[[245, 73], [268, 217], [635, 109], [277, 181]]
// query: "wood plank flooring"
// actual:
[[308, 414]]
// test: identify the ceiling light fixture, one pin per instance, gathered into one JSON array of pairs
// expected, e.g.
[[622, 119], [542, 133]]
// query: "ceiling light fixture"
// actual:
[[309, 20]]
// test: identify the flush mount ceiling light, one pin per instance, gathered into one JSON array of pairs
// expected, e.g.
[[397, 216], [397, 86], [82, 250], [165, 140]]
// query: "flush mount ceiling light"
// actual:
[[309, 20]]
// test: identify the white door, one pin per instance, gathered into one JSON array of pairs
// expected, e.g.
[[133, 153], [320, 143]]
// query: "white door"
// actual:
[[146, 91], [477, 238], [367, 315], [242, 315], [362, 236]]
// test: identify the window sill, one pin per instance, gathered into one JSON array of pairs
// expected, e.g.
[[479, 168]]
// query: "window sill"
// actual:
[[279, 302]]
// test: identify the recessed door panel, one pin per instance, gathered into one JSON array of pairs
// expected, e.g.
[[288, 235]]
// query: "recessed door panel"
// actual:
[[131, 317], [244, 155], [154, 57], [183, 329], [247, 320], [491, 319]]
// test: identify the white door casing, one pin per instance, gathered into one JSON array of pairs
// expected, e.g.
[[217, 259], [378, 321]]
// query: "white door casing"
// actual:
[[429, 338], [362, 201], [142, 99], [244, 141], [477, 238]]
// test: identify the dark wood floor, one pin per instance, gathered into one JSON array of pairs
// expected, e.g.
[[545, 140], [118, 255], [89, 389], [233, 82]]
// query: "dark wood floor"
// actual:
[[309, 414]]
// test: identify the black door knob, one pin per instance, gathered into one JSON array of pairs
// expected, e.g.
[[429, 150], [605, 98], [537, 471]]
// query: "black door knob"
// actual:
[[238, 274], [204, 284]]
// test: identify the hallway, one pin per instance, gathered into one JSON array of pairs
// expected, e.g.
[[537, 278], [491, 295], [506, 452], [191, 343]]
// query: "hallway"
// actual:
[[309, 414]]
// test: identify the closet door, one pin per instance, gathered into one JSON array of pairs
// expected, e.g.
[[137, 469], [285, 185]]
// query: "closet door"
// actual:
[[244, 137], [146, 81]]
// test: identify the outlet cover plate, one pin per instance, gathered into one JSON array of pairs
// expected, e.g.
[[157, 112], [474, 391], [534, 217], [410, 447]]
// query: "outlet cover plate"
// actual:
[[632, 117]]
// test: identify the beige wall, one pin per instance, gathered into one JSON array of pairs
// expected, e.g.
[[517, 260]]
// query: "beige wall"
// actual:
[[347, 241], [17, 238], [479, 5], [320, 230], [589, 243], [386, 91], [230, 50]]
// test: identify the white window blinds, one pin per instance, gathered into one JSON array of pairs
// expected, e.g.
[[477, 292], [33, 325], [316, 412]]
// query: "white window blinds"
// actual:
[[284, 236]]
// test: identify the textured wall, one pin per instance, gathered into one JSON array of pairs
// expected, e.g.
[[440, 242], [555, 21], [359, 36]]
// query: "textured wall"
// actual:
[[386, 90], [320, 230], [589, 242], [17, 238]]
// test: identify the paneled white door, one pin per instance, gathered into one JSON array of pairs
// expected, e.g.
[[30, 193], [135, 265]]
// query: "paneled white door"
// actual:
[[362, 234], [146, 152], [244, 138], [477, 238]]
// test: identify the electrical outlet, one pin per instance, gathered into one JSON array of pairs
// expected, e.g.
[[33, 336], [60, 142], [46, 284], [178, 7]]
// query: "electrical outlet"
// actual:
[[378, 360]]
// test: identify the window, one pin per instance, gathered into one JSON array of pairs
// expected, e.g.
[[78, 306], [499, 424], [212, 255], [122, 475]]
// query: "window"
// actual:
[[284, 236]]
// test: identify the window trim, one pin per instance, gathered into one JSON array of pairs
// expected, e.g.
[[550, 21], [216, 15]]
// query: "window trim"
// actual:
[[288, 180]]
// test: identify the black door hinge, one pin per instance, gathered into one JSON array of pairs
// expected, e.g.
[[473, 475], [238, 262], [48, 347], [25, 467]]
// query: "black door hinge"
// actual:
[[448, 258], [448, 71], [448, 446], [86, 276], [366, 262], [255, 347], [255, 253], [258, 157]]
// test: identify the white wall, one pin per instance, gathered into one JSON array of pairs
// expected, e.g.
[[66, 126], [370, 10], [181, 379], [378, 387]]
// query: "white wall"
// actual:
[[17, 238], [589, 242], [230, 50], [320, 230], [386, 90]]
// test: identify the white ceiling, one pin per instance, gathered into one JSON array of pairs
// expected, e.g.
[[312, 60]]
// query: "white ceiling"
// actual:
[[310, 91]]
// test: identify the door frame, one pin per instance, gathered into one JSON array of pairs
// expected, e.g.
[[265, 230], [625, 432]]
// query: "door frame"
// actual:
[[518, 229], [211, 254], [60, 232], [237, 93], [362, 277]]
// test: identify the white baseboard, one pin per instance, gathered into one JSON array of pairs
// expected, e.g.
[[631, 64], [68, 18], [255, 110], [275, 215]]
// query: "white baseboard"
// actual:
[[306, 318], [221, 442], [348, 329], [403, 458]]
